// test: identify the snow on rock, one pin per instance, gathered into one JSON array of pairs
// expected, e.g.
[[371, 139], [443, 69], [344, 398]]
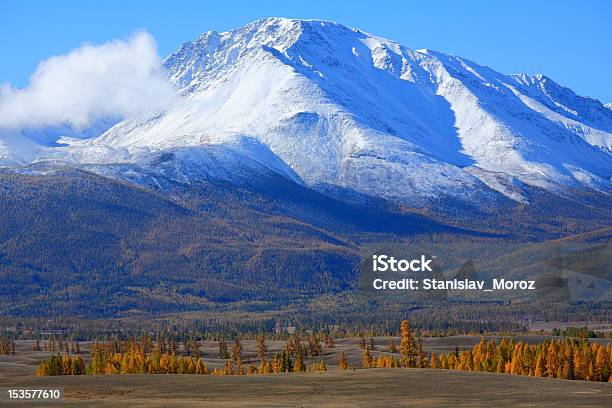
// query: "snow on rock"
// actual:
[[327, 105]]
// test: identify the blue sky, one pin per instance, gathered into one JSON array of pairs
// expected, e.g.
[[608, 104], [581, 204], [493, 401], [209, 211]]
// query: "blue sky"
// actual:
[[570, 41]]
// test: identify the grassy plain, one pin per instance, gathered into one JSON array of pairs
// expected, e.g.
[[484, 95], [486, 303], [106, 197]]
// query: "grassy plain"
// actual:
[[334, 388]]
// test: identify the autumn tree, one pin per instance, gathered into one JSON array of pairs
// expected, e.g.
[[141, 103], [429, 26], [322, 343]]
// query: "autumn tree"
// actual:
[[602, 364], [366, 358], [314, 347], [276, 364], [342, 363], [223, 353], [434, 362], [407, 344], [237, 350], [568, 359], [261, 353], [329, 341], [362, 342], [229, 368], [420, 353], [298, 364]]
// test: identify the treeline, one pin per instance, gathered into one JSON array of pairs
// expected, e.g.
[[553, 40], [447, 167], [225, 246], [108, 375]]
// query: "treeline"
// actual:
[[147, 357], [57, 345], [291, 359], [61, 365], [567, 359], [581, 332], [123, 358], [572, 359], [431, 323]]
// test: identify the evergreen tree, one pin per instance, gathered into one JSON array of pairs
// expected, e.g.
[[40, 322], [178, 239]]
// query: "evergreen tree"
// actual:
[[236, 350], [223, 353], [362, 342], [342, 363], [286, 362]]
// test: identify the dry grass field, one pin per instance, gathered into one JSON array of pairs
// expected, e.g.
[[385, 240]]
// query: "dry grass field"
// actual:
[[334, 388]]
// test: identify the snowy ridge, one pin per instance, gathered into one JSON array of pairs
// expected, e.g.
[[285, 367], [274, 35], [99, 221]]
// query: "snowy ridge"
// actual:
[[17, 150], [327, 105]]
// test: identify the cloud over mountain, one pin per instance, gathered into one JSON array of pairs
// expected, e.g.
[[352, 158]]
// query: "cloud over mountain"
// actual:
[[115, 79]]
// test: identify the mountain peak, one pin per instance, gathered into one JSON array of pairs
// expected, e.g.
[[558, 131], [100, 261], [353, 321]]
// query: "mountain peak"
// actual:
[[341, 110]]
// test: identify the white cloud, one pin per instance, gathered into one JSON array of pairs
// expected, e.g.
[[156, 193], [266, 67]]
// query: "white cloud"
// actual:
[[115, 79]]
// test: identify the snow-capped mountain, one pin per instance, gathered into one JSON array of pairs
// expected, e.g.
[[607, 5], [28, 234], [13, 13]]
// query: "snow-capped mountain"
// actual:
[[338, 109]]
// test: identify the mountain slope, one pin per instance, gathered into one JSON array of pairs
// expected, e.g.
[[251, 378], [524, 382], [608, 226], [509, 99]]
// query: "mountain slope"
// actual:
[[77, 243], [296, 147]]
